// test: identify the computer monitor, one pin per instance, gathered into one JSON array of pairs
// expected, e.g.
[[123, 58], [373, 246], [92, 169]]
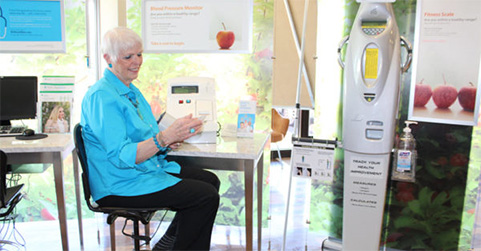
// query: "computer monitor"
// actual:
[[18, 98]]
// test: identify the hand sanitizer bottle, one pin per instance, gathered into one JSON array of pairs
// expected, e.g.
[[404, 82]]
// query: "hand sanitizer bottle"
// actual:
[[404, 161]]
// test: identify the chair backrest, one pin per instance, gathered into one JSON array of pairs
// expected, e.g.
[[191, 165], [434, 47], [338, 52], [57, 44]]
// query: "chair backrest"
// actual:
[[279, 124], [80, 148], [3, 178], [9, 196]]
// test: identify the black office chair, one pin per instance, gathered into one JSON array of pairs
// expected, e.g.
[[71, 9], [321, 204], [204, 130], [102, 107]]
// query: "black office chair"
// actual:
[[143, 215], [9, 197]]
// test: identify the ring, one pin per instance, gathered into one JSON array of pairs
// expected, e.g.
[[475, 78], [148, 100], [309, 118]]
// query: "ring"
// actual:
[[192, 130]]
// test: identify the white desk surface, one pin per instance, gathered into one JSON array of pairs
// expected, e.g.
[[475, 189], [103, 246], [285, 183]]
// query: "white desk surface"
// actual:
[[226, 147], [52, 143], [52, 149]]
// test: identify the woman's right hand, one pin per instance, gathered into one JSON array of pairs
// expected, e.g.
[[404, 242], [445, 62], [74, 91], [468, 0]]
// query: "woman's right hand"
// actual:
[[181, 130]]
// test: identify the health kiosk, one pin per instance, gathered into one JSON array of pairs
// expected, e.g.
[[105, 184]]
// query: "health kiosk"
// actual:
[[372, 71]]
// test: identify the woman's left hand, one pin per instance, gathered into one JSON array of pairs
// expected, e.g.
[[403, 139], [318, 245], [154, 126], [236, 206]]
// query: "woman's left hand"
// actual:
[[182, 129]]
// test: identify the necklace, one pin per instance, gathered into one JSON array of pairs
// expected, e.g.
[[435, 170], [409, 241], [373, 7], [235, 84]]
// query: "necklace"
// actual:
[[136, 105]]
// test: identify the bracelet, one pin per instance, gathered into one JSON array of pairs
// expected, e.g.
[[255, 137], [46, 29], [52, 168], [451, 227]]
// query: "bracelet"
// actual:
[[157, 143]]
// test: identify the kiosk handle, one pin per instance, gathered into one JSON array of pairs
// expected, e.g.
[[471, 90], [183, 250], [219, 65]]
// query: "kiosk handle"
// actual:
[[409, 48], [339, 50], [404, 43]]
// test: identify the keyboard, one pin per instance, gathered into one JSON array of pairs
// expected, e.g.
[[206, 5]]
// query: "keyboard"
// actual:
[[6, 131]]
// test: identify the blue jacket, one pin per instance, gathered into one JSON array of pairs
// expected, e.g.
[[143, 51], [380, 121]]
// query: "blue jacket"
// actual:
[[115, 118]]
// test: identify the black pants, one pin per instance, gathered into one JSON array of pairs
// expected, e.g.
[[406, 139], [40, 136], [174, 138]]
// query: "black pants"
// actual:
[[195, 200]]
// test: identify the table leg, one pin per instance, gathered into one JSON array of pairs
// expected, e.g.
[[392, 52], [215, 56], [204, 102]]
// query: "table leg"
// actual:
[[77, 196], [112, 236], [62, 215], [147, 231], [260, 184], [249, 185]]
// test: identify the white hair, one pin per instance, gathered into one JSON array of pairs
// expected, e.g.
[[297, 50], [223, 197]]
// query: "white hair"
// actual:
[[119, 39]]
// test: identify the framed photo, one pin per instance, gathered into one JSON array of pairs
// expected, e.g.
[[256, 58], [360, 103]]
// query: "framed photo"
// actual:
[[56, 117], [446, 62]]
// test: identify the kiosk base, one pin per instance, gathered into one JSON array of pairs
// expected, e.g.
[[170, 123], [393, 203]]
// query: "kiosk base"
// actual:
[[331, 244]]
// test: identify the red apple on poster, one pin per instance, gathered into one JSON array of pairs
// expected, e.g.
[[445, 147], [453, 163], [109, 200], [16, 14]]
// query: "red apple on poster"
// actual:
[[444, 95], [225, 38], [422, 94], [467, 97]]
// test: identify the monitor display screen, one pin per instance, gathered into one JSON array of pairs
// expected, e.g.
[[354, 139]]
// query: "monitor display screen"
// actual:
[[18, 98], [183, 89]]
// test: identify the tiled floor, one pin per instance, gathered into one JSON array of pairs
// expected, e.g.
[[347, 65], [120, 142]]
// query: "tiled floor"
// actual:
[[44, 235]]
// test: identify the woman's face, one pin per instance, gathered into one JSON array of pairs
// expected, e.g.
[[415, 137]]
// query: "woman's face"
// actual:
[[61, 113], [128, 64]]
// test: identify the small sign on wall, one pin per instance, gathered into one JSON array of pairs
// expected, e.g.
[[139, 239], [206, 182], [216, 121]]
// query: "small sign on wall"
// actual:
[[446, 62], [32, 26], [184, 26]]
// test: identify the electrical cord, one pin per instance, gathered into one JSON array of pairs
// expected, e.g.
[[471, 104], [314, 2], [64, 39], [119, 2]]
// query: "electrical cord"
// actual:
[[16, 233], [8, 227], [219, 129], [13, 179], [10, 232]]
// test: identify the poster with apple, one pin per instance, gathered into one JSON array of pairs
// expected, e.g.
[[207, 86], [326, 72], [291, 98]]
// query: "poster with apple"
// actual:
[[446, 62], [197, 26]]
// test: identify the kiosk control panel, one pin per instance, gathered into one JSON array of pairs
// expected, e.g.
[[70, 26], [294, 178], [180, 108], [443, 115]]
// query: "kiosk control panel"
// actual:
[[196, 96]]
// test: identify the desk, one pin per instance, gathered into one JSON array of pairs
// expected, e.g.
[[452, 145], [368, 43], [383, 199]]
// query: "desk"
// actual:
[[53, 149], [233, 154]]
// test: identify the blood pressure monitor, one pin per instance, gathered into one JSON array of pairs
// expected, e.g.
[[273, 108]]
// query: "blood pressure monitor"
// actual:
[[196, 96]]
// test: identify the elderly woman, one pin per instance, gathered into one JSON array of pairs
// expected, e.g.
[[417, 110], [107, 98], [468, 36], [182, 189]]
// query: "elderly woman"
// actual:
[[127, 164]]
